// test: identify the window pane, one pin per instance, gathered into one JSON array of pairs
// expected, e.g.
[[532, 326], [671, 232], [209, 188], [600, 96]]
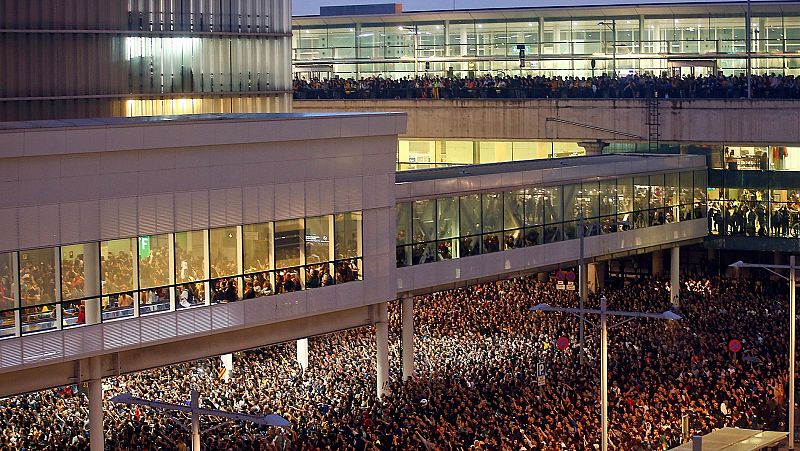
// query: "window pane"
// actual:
[[79, 275], [447, 217], [424, 220], [319, 231], [534, 206], [572, 207], [403, 213], [288, 280], [257, 241], [37, 275], [289, 243], [492, 212], [347, 240], [116, 262], [224, 251], [553, 212], [608, 197], [8, 282], [154, 269], [470, 214], [513, 209], [641, 202], [190, 257]]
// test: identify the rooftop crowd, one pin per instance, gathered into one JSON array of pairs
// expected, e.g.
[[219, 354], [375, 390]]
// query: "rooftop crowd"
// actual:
[[476, 387], [764, 86]]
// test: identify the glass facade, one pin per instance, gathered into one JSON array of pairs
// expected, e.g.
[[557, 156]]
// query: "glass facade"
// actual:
[[61, 287], [430, 153], [703, 42], [754, 212], [431, 230]]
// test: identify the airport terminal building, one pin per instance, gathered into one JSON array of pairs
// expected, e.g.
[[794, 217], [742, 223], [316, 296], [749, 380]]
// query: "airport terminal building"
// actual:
[[579, 41]]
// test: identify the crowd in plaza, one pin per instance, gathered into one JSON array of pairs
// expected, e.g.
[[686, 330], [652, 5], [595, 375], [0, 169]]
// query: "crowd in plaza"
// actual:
[[476, 383], [763, 86]]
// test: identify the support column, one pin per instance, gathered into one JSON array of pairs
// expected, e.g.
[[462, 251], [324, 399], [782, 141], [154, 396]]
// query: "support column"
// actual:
[[675, 276], [657, 268], [596, 276], [382, 342], [96, 435], [408, 337], [91, 277], [302, 353]]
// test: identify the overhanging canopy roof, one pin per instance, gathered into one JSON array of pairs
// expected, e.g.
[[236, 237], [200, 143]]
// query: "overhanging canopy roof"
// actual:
[[733, 439]]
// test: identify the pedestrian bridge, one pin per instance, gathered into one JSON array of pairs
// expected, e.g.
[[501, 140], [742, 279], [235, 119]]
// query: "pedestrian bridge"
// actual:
[[453, 226], [681, 120]]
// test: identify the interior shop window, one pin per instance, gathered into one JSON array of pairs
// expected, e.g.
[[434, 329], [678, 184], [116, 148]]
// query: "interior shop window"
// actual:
[[191, 263], [117, 265], [154, 266], [224, 251], [289, 243], [257, 243]]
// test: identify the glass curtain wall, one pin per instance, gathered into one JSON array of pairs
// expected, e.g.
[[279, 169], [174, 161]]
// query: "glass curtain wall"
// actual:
[[87, 283], [475, 224], [715, 41]]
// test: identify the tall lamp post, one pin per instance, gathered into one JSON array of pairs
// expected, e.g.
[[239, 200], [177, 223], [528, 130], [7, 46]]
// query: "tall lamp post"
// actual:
[[613, 27], [792, 278], [604, 314]]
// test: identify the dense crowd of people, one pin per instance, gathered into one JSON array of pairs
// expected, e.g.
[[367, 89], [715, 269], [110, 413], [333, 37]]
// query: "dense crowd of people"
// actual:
[[643, 86], [476, 383]]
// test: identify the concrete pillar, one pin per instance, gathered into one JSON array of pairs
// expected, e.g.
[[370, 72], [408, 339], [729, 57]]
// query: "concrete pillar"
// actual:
[[96, 435], [596, 275], [302, 353], [657, 268], [674, 276], [593, 147], [227, 362], [91, 286], [382, 342], [195, 404], [408, 337]]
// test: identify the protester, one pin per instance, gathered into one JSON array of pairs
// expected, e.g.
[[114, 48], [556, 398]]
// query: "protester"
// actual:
[[476, 383], [764, 86]]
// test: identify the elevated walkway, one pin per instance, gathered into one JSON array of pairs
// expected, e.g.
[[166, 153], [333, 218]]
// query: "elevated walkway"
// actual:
[[687, 121]]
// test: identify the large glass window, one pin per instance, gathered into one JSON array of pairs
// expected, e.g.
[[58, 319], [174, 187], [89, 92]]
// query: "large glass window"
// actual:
[[319, 231], [671, 200], [625, 196], [641, 202], [154, 264], [191, 263], [404, 234], [347, 239], [224, 251], [257, 244], [79, 275], [424, 221], [37, 275], [470, 223], [514, 219], [289, 243], [117, 264], [608, 206], [492, 212], [9, 288]]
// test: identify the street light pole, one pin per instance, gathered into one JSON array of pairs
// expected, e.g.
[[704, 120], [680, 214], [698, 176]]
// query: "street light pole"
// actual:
[[604, 314], [583, 286], [792, 349], [603, 375], [749, 31], [792, 324]]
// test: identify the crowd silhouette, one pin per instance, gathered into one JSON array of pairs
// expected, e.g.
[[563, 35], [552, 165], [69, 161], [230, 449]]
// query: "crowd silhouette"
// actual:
[[642, 86], [475, 385]]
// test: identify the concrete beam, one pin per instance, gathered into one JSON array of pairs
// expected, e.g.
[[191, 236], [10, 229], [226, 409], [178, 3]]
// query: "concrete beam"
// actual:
[[130, 361], [732, 121]]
